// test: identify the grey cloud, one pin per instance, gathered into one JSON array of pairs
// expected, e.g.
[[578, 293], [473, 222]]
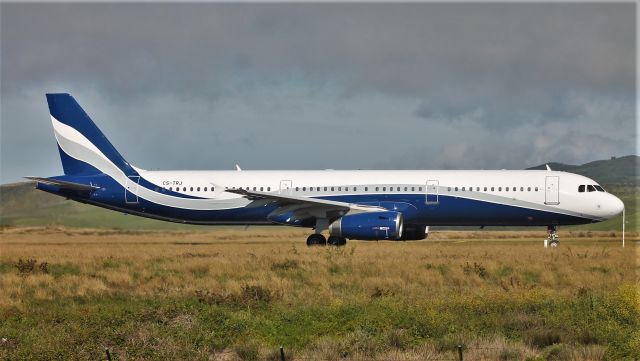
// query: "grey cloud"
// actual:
[[255, 80]]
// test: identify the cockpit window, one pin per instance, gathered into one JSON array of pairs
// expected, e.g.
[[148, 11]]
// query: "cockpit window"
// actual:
[[600, 189], [591, 188], [581, 188]]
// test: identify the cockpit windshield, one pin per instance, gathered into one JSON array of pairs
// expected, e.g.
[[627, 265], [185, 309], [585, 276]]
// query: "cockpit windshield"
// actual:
[[590, 188]]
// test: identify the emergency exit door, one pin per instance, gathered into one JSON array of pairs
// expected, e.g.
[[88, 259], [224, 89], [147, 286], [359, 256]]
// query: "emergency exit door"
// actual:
[[552, 190]]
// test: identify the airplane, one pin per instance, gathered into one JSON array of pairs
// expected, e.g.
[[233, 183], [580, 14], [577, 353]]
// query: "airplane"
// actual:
[[349, 204]]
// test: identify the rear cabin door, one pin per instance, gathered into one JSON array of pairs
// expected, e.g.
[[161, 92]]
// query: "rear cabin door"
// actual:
[[432, 192], [285, 187], [131, 189], [552, 190]]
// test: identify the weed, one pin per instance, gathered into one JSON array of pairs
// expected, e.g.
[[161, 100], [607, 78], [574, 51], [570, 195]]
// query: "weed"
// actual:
[[26, 267], [477, 269]]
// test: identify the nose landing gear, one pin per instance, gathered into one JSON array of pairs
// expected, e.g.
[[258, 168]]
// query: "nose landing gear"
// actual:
[[552, 237]]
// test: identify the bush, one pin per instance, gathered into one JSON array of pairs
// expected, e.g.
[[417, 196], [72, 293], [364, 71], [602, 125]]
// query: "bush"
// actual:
[[26, 267]]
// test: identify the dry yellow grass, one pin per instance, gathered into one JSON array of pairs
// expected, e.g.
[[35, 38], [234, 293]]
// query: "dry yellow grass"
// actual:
[[215, 266]]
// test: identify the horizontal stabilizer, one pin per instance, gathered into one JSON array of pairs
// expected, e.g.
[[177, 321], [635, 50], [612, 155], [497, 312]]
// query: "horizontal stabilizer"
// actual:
[[64, 184]]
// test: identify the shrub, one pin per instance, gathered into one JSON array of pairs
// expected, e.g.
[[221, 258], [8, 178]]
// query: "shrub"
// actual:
[[26, 266]]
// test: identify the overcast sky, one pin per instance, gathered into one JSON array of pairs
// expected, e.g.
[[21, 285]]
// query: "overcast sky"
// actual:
[[314, 86]]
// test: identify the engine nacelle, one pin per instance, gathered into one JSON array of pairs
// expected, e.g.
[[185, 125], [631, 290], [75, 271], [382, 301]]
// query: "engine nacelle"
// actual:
[[412, 232], [368, 226]]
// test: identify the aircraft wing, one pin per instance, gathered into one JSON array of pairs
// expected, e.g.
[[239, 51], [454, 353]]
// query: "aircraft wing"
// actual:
[[303, 207], [64, 184]]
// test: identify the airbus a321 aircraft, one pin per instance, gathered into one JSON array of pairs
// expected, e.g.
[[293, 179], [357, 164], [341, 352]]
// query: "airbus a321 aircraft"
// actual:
[[361, 204]]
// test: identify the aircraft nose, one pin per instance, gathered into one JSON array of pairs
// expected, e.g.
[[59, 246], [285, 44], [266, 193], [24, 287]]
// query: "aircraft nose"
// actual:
[[614, 206]]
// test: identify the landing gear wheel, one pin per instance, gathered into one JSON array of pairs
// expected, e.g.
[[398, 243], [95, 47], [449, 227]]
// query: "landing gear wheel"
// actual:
[[336, 241], [554, 243], [316, 240]]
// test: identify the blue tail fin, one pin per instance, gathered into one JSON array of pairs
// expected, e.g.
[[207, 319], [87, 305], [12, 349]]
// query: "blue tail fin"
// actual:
[[84, 150]]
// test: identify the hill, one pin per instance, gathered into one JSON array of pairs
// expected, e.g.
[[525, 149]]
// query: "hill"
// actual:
[[22, 205], [614, 171]]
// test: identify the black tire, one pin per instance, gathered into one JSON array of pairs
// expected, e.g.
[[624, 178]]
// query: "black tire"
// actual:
[[554, 243], [336, 241], [316, 240]]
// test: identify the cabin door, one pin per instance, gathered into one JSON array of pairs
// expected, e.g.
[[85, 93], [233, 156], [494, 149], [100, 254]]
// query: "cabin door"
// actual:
[[432, 192], [552, 190], [131, 189], [285, 187]]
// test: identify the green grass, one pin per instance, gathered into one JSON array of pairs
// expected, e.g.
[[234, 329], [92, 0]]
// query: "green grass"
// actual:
[[188, 329]]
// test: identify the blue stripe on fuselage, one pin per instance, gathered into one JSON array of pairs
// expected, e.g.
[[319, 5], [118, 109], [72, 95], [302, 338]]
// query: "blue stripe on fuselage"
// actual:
[[450, 211]]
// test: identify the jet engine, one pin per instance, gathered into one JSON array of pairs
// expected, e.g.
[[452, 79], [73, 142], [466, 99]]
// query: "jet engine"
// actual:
[[368, 226]]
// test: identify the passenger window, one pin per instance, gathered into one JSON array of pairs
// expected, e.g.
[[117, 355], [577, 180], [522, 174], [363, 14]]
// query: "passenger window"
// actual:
[[297, 189], [448, 189], [528, 189], [384, 189], [485, 189], [339, 189], [463, 189], [366, 189], [198, 189], [332, 189], [325, 189], [304, 188], [521, 189], [413, 189], [477, 189], [170, 188], [268, 188], [591, 188], [456, 189], [398, 189], [492, 189], [536, 189], [213, 189], [377, 189], [419, 189], [581, 188], [499, 189], [184, 189]]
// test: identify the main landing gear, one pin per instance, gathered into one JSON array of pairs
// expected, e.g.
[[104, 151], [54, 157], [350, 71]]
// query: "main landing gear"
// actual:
[[552, 237], [316, 240], [319, 240]]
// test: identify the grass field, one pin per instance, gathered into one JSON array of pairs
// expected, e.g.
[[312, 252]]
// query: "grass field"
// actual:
[[230, 294]]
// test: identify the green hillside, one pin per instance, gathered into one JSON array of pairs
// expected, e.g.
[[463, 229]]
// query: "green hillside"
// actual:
[[615, 171], [22, 205]]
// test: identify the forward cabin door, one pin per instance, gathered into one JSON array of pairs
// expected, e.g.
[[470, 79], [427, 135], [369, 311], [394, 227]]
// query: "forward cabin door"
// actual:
[[131, 189], [432, 191], [552, 190], [285, 187]]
